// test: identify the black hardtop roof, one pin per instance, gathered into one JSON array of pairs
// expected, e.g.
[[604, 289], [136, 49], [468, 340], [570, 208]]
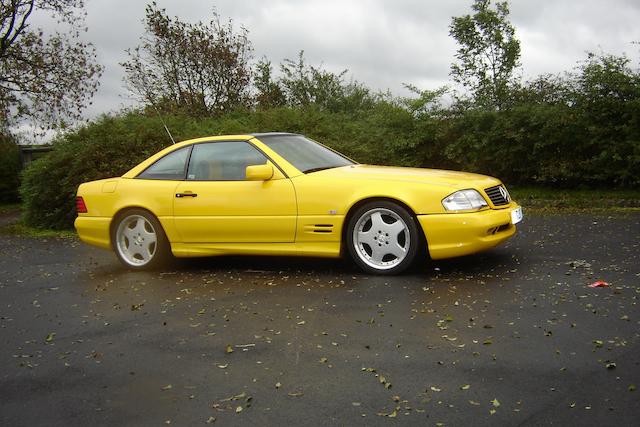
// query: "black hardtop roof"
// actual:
[[274, 134]]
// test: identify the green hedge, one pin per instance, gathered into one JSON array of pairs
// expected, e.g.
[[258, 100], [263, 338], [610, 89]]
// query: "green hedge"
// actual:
[[549, 145], [530, 144], [105, 148], [112, 145], [10, 165]]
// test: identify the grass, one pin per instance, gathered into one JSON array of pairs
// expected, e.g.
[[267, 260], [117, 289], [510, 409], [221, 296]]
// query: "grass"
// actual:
[[570, 199], [20, 229]]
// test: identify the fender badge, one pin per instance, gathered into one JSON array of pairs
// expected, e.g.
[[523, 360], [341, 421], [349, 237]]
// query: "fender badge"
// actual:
[[333, 212]]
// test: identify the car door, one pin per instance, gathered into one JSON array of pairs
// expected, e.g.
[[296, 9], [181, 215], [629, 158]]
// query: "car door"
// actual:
[[216, 204]]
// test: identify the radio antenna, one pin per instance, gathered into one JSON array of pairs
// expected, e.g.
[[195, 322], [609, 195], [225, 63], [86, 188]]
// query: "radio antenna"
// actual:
[[147, 95], [162, 120]]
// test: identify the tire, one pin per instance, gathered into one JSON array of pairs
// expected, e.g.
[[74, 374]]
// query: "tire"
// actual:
[[139, 240], [382, 238]]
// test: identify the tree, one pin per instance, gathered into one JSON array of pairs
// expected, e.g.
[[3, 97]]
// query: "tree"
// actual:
[[304, 84], [488, 55], [606, 102], [270, 93], [10, 165], [200, 69], [48, 79]]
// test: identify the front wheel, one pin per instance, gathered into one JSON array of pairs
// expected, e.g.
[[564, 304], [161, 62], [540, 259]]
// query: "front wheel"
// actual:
[[139, 240], [382, 238]]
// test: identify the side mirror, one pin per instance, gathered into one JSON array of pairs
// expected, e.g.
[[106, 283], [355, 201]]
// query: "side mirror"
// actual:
[[259, 172]]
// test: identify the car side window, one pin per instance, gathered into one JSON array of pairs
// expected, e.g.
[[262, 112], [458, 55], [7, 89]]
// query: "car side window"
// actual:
[[169, 167], [223, 161]]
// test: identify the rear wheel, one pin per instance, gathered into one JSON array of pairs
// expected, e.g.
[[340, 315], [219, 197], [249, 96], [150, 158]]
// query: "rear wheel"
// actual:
[[382, 238], [139, 240]]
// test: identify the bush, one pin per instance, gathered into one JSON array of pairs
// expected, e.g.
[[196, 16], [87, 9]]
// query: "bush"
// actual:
[[568, 133], [112, 145], [581, 130], [10, 165], [106, 148]]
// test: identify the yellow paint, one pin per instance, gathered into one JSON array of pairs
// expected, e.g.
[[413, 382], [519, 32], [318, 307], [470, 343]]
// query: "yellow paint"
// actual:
[[456, 234], [292, 213]]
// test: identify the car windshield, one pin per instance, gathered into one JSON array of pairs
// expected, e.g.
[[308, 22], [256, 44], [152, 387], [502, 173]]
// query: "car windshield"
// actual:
[[306, 155]]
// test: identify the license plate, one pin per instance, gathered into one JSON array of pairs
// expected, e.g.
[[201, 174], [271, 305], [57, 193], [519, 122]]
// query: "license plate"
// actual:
[[516, 215]]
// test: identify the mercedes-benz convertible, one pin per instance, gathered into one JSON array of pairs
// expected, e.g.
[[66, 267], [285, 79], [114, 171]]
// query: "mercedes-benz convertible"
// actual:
[[284, 194]]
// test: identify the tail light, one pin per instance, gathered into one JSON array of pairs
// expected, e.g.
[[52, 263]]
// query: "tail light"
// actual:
[[81, 207]]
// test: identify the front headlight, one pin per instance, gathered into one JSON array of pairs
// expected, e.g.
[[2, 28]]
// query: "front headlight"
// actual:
[[464, 200]]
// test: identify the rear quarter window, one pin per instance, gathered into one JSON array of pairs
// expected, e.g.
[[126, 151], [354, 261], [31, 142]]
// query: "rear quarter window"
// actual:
[[170, 167]]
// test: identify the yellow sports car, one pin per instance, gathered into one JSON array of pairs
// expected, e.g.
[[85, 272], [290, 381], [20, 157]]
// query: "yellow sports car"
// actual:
[[284, 194]]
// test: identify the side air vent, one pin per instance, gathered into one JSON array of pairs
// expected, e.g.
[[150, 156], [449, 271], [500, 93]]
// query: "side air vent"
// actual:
[[323, 228], [319, 228]]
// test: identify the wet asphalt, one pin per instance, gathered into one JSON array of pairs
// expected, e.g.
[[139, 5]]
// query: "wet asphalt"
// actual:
[[513, 336]]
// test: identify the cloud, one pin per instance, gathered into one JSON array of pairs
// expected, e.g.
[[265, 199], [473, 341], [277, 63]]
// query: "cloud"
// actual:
[[382, 43]]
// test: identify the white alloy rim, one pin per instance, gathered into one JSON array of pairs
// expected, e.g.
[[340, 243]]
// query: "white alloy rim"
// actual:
[[381, 238], [136, 240]]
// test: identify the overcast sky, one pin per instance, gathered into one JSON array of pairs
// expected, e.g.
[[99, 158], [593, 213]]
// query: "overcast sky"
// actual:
[[383, 43]]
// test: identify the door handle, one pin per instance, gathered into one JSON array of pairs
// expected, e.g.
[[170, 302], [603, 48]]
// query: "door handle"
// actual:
[[180, 195]]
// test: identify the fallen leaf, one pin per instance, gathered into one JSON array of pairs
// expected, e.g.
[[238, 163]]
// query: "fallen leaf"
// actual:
[[239, 409], [228, 349], [599, 284], [236, 397], [278, 385], [632, 387], [436, 389], [50, 337], [245, 346], [495, 403], [465, 387], [167, 387]]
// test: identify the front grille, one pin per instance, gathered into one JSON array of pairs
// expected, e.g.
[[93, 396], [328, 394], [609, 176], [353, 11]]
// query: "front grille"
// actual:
[[498, 195]]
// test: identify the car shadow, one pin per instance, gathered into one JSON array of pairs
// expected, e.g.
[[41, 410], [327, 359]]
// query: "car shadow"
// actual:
[[496, 261]]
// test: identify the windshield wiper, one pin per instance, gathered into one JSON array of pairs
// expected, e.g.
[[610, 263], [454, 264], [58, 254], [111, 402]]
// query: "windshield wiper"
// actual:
[[318, 169]]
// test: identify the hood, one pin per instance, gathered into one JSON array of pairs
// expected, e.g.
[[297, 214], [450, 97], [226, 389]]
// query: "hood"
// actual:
[[453, 179]]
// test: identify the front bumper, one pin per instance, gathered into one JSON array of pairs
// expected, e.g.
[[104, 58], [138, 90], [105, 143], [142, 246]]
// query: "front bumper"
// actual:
[[456, 234]]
